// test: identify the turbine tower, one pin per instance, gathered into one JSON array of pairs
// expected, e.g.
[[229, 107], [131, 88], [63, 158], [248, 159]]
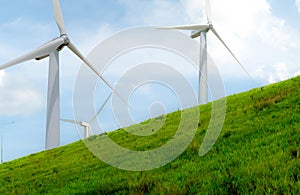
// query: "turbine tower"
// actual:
[[51, 49], [87, 125], [200, 30]]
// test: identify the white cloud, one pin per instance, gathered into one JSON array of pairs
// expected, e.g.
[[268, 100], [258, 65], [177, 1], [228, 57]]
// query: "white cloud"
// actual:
[[260, 72], [298, 4], [275, 73], [18, 96], [297, 73], [281, 73], [194, 10]]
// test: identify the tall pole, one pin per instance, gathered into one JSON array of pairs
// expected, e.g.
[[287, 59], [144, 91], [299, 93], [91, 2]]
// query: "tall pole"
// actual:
[[86, 131], [53, 110], [203, 82]]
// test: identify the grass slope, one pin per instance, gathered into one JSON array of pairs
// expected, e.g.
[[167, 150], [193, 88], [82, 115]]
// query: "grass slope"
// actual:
[[258, 151]]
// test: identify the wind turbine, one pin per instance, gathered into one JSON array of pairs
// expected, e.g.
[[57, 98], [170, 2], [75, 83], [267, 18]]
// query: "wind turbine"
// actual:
[[51, 49], [1, 139], [200, 30], [87, 125]]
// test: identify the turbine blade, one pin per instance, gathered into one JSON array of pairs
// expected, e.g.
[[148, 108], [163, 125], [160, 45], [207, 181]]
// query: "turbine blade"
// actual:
[[70, 121], [215, 32], [40, 52], [197, 27], [85, 60], [101, 108], [59, 17], [208, 11]]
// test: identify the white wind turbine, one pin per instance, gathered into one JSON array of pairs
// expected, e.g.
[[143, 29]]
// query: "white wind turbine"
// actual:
[[87, 125], [199, 30], [51, 49]]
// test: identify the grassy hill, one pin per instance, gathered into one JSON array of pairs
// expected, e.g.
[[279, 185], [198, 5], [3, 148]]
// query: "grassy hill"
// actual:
[[257, 151]]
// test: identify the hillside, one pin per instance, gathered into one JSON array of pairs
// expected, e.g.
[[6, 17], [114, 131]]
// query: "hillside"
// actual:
[[258, 150]]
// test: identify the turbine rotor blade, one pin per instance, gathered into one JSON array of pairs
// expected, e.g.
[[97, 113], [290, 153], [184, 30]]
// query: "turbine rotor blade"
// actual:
[[101, 108], [71, 121], [40, 52], [215, 32], [197, 27], [85, 60], [59, 17], [208, 11]]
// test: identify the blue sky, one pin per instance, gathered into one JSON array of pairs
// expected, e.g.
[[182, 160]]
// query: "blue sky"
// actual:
[[264, 34]]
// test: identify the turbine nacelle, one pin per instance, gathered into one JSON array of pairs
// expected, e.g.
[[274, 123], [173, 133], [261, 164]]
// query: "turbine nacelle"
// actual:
[[42, 57], [64, 42], [196, 33], [85, 124]]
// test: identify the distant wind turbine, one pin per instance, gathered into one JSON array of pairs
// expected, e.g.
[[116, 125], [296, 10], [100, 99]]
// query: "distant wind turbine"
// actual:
[[199, 30], [1, 135], [51, 49], [87, 125]]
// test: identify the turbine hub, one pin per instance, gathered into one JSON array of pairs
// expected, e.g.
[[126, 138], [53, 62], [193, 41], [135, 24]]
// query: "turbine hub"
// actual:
[[66, 39], [66, 42]]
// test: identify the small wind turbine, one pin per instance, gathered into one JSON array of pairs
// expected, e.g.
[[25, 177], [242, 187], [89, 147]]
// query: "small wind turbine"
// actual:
[[199, 30], [1, 135], [51, 49], [87, 125]]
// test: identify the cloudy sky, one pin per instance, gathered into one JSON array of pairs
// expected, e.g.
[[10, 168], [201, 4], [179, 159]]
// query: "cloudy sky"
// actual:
[[264, 34]]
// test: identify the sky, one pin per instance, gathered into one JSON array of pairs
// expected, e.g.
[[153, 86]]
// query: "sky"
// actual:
[[264, 34]]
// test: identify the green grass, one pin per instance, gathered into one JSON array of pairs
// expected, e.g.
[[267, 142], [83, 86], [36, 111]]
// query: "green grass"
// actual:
[[257, 151]]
